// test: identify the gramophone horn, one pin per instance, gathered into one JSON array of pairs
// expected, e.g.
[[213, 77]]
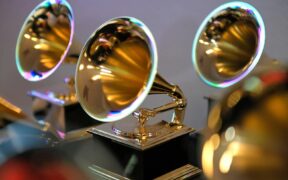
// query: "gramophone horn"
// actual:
[[228, 44], [44, 43], [117, 70], [45, 39]]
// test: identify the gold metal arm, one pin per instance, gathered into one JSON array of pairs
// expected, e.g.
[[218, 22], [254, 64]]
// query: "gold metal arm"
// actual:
[[179, 102]]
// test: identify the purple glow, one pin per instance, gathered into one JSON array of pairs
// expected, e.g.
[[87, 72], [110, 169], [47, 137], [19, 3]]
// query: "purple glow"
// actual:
[[61, 134]]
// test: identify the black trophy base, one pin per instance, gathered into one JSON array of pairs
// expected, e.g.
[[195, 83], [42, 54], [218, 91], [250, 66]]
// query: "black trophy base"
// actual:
[[108, 159], [76, 117], [64, 115], [65, 118]]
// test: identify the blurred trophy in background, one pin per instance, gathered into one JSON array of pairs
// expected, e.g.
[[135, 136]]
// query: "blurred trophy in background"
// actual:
[[247, 131], [44, 43], [19, 132], [9, 113]]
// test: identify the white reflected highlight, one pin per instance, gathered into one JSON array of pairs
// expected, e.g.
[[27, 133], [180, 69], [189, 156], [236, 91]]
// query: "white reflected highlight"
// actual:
[[225, 162], [230, 134], [81, 67], [96, 77]]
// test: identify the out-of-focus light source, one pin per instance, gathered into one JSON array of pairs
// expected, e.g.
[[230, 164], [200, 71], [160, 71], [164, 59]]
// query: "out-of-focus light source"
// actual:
[[208, 154]]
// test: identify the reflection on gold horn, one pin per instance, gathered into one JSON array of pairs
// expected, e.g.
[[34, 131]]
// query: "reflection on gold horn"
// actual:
[[115, 72], [228, 44]]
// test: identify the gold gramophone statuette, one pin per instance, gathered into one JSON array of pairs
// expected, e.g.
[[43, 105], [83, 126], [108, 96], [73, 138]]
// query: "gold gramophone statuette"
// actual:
[[117, 69], [44, 43]]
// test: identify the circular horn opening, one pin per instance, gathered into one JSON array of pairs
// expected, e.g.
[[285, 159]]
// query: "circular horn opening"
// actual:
[[228, 44], [116, 69], [44, 39]]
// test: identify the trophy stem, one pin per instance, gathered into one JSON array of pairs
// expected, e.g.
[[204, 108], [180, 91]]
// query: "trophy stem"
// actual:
[[71, 94]]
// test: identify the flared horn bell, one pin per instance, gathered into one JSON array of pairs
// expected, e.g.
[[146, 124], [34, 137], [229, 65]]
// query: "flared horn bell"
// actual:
[[228, 44], [44, 39], [116, 69]]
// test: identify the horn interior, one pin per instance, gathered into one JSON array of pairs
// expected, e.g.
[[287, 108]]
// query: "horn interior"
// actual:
[[116, 69], [229, 44], [44, 39]]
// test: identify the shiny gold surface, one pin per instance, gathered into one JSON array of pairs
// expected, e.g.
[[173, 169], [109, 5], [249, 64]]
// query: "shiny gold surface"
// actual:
[[114, 68], [127, 79], [70, 96], [115, 72], [166, 132], [101, 173], [184, 172], [44, 39], [44, 42], [233, 52], [228, 44], [9, 111], [247, 132]]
